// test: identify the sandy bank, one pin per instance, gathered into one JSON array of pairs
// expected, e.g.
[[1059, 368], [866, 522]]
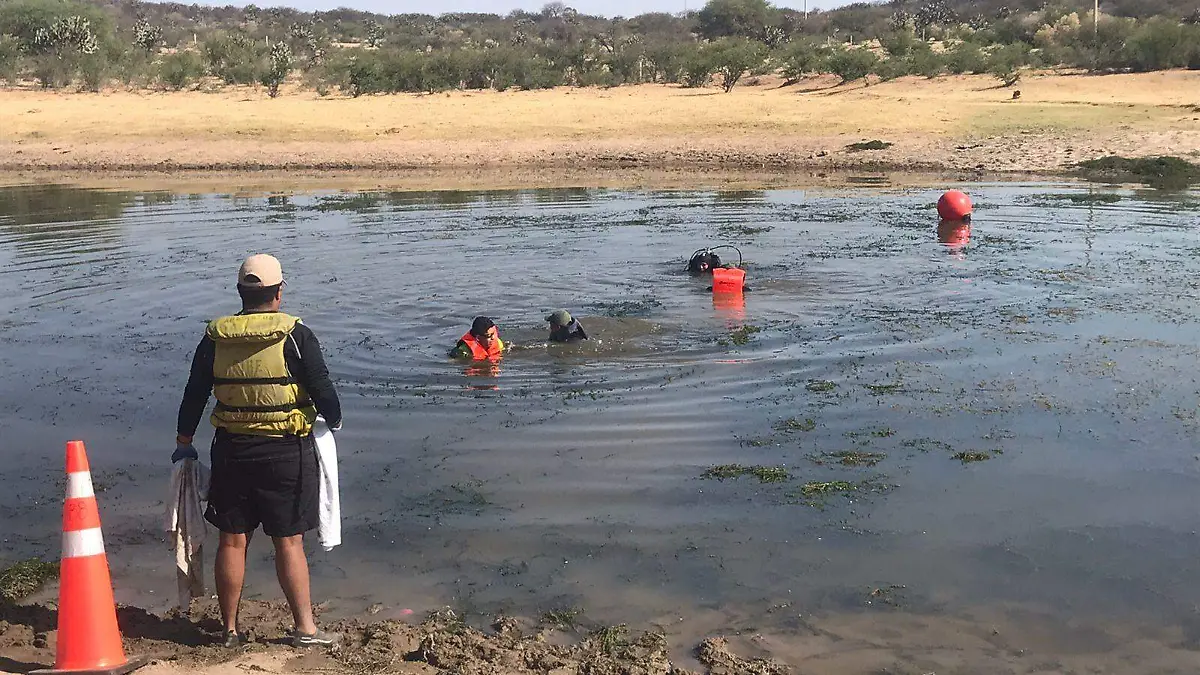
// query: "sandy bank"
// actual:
[[960, 123]]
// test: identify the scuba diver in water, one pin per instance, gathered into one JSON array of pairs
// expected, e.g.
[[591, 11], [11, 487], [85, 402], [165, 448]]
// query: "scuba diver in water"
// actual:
[[565, 328], [481, 343], [703, 261]]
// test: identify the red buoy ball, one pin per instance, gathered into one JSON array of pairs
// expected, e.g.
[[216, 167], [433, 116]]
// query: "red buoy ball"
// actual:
[[954, 205]]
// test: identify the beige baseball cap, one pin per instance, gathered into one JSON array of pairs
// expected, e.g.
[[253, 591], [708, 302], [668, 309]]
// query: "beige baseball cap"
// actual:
[[260, 271]]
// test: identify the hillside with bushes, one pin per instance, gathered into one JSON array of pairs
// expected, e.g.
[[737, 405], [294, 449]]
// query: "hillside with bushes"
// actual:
[[171, 46]]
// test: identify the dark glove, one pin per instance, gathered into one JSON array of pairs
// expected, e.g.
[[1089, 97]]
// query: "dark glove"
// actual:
[[184, 451]]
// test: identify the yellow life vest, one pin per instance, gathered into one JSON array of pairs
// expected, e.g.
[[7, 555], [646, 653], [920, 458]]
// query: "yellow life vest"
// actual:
[[255, 392]]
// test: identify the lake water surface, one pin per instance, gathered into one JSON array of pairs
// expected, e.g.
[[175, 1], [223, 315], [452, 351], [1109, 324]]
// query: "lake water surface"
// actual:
[[1059, 348]]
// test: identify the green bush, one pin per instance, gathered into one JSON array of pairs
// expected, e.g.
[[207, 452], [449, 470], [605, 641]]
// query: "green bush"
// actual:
[[179, 70], [927, 63], [852, 64], [891, 69], [235, 58], [1159, 44], [279, 66], [698, 68], [899, 44], [10, 59], [802, 58], [1005, 63], [443, 70], [966, 57]]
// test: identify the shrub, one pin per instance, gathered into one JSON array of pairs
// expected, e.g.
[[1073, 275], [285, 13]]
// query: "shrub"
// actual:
[[926, 62], [734, 57], [1159, 44], [179, 70], [697, 68], [234, 58], [1006, 62], [900, 43], [966, 57], [279, 66], [802, 58], [852, 64], [10, 59]]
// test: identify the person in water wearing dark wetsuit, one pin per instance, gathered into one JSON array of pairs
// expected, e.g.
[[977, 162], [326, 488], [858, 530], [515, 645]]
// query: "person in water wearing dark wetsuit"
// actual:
[[564, 327], [703, 262]]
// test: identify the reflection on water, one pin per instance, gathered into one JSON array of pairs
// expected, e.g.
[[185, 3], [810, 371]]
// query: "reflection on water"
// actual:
[[1013, 427]]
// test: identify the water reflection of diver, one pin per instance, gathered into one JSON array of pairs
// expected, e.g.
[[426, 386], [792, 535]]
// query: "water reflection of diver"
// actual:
[[565, 328], [955, 209], [481, 343]]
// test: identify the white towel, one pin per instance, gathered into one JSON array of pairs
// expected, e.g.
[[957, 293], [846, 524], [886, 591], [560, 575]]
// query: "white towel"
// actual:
[[187, 528], [330, 529]]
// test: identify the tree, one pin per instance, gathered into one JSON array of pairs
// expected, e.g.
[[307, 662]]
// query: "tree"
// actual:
[[933, 13], [10, 58], [803, 58], [852, 64], [737, 18], [1006, 62], [147, 36], [279, 66], [375, 34], [697, 68], [734, 57], [63, 48]]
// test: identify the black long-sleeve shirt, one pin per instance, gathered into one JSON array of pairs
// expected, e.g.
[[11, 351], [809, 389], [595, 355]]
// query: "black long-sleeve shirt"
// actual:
[[304, 361]]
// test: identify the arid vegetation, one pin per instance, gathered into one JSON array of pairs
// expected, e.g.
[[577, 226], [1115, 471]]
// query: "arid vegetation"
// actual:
[[69, 43]]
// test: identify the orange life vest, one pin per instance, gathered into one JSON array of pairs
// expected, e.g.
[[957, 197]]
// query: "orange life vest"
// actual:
[[728, 280], [481, 353]]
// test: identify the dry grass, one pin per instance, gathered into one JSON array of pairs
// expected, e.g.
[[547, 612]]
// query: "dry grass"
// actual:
[[243, 126]]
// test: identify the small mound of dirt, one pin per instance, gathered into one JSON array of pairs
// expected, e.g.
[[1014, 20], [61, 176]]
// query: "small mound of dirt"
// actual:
[[715, 655]]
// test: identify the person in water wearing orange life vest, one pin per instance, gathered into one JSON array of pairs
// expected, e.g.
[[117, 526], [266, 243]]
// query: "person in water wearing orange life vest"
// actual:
[[564, 327], [481, 343], [954, 210]]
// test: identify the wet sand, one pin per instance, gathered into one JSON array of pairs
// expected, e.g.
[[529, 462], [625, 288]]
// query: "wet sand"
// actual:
[[961, 123]]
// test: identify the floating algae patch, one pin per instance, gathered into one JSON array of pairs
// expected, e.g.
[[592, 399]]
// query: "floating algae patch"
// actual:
[[818, 493], [765, 474], [1090, 198], [1167, 173], [927, 444], [562, 618], [609, 639], [623, 308], [882, 389], [881, 432], [740, 336], [820, 386], [25, 578], [849, 458], [795, 424], [971, 456], [868, 145]]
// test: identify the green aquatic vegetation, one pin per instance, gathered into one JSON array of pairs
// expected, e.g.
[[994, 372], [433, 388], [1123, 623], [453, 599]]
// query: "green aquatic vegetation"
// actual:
[[758, 442], [817, 493], [882, 432], [820, 386], [890, 595], [868, 145], [25, 578], [970, 456], [562, 618], [627, 308], [744, 230], [794, 424], [1081, 198], [1166, 173], [881, 389], [765, 474], [742, 335], [927, 444], [610, 638], [850, 458]]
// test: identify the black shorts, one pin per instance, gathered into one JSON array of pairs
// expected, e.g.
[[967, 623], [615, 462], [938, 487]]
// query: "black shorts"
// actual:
[[271, 482]]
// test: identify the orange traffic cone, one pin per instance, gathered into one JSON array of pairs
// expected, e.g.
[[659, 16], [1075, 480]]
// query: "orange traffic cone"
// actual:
[[88, 638]]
